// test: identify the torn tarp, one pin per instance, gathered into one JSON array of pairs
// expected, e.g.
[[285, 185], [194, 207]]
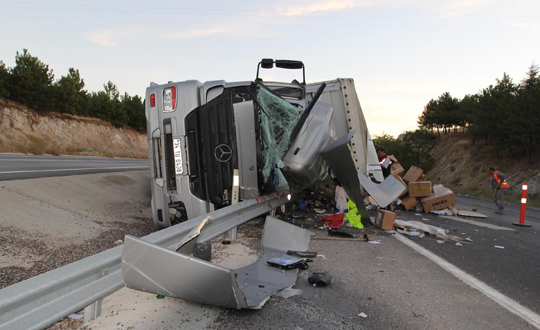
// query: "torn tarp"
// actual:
[[153, 268]]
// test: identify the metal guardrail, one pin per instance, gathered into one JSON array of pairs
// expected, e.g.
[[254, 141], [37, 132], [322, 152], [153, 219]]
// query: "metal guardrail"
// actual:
[[47, 298]]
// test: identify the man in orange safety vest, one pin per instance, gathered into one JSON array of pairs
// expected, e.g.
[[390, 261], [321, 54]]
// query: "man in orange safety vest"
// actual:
[[499, 186]]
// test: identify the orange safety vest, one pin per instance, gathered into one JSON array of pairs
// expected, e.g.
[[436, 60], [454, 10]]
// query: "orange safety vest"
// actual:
[[502, 185]]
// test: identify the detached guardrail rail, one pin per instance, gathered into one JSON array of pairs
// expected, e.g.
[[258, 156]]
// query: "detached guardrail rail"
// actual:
[[47, 298]]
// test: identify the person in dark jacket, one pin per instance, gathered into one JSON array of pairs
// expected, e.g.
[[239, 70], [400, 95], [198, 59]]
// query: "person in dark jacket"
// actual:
[[499, 187]]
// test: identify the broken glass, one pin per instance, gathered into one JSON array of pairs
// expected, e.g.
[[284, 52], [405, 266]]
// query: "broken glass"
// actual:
[[278, 119]]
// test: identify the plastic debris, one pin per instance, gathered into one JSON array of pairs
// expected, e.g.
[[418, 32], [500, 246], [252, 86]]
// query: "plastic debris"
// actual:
[[302, 205], [75, 316], [319, 211], [322, 256], [459, 244], [334, 220], [288, 292], [410, 232], [499, 247], [288, 262], [425, 219], [320, 279], [160, 296], [302, 254], [363, 315], [353, 216], [440, 241], [374, 242]]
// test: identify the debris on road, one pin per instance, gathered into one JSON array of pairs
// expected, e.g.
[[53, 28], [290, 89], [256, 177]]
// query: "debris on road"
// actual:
[[320, 279], [288, 292]]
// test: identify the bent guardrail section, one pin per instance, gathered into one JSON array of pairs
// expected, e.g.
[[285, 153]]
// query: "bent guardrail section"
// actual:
[[47, 298]]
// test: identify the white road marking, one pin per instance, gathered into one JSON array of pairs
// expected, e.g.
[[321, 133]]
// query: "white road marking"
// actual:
[[508, 303], [476, 223], [77, 169]]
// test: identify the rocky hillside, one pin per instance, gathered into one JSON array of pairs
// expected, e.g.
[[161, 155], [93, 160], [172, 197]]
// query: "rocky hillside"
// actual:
[[25, 131], [462, 167]]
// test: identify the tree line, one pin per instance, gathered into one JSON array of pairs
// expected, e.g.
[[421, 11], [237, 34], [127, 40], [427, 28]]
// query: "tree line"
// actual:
[[505, 115], [30, 82], [410, 148]]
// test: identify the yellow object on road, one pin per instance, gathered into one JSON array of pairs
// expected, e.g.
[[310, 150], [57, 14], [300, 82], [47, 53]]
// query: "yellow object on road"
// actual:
[[353, 215]]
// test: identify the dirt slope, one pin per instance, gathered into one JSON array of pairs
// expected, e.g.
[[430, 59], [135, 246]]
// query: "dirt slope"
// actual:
[[462, 167], [26, 131]]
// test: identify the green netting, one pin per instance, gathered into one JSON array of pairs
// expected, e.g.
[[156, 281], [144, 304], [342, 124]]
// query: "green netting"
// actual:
[[278, 119]]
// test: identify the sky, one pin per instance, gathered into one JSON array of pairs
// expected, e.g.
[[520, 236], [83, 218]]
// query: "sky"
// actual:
[[401, 54]]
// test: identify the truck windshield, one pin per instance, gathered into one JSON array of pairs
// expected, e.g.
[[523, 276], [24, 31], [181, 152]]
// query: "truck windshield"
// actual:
[[278, 119]]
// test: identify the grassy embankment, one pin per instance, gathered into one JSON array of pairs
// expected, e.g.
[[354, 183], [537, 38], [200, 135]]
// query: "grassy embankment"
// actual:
[[462, 167]]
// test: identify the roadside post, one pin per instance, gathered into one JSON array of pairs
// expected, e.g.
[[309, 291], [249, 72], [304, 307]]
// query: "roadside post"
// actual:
[[523, 206]]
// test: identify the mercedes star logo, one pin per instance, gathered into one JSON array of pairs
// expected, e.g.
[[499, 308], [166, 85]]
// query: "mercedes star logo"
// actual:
[[223, 153]]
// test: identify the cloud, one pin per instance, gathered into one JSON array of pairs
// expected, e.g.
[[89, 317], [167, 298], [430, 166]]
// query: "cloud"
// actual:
[[103, 38], [204, 32], [117, 37], [323, 6]]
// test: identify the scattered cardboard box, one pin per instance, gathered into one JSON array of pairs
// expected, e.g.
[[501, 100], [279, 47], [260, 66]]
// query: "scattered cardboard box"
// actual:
[[384, 219], [408, 203], [413, 174], [439, 202], [420, 189], [396, 170]]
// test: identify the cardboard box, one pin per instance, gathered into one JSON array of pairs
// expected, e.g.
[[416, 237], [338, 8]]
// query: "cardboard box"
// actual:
[[384, 219], [439, 202], [396, 169], [403, 183], [408, 203], [420, 189], [393, 159], [413, 174]]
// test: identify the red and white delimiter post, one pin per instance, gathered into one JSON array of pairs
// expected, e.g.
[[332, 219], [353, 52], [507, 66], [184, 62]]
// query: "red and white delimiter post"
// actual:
[[523, 206]]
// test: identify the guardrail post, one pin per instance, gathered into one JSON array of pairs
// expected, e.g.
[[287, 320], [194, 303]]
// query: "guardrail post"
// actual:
[[91, 312]]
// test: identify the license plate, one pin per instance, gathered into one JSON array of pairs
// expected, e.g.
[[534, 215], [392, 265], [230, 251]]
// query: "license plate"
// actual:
[[177, 149]]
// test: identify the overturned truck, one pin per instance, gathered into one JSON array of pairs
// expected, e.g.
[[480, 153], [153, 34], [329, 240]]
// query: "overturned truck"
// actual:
[[278, 135], [216, 143]]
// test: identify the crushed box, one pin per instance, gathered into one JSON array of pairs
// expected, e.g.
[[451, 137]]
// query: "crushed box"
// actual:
[[439, 202], [384, 219], [420, 189], [408, 203], [413, 174]]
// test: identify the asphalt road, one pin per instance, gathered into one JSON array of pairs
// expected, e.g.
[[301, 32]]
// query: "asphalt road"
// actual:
[[502, 255], [399, 288], [20, 167]]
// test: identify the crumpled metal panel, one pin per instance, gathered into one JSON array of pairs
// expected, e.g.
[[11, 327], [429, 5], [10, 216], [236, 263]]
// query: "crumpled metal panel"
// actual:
[[385, 192], [152, 268], [340, 159]]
